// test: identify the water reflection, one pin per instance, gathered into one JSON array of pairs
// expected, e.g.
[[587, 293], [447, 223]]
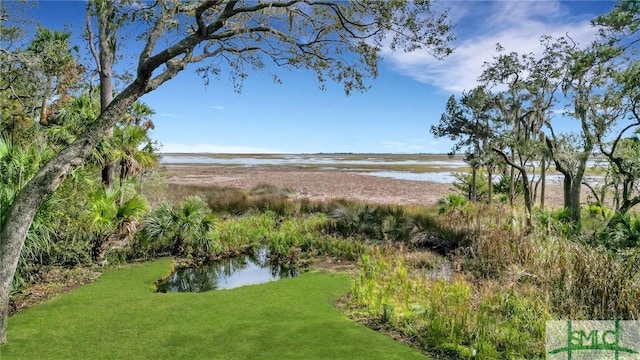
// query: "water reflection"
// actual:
[[249, 269], [445, 177]]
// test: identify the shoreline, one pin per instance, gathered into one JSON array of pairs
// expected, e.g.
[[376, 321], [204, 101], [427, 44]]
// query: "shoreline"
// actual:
[[324, 184]]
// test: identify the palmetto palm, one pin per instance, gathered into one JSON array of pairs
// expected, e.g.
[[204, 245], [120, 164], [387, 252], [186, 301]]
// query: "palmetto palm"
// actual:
[[56, 66], [115, 222], [133, 151], [140, 115], [182, 229], [625, 233], [73, 118], [18, 164]]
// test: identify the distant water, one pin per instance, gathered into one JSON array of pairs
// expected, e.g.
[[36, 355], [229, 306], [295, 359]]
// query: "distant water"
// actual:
[[445, 177], [347, 162], [302, 160]]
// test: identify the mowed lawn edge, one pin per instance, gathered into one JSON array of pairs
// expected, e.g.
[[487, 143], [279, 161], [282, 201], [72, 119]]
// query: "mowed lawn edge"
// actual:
[[120, 317]]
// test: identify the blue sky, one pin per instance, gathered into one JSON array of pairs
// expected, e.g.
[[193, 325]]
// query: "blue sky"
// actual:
[[394, 116]]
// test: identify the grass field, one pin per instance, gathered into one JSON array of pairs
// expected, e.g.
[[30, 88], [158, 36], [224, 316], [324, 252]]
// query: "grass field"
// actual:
[[120, 317]]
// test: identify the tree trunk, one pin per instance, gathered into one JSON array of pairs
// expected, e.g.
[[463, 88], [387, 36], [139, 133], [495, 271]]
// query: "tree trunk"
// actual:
[[490, 182], [574, 209], [526, 185], [474, 185], [108, 172], [512, 188], [44, 106], [543, 180], [566, 190], [527, 197], [106, 96], [28, 200], [5, 288], [107, 34]]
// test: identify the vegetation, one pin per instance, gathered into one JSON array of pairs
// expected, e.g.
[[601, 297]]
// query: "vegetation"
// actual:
[[455, 318], [508, 286], [235, 36], [287, 319], [461, 280], [490, 295], [511, 115]]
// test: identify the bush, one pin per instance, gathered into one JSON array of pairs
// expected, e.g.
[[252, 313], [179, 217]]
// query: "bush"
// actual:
[[504, 183], [371, 222], [453, 203], [556, 221], [623, 232], [454, 318], [464, 184], [185, 229]]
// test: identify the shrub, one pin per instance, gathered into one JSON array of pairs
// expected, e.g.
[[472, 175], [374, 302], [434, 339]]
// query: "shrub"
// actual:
[[185, 229], [452, 202], [454, 318], [556, 221], [266, 189], [463, 182], [503, 184], [371, 222], [623, 232], [580, 280]]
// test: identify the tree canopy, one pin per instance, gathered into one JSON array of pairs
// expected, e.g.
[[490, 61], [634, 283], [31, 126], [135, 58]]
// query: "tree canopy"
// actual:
[[338, 41]]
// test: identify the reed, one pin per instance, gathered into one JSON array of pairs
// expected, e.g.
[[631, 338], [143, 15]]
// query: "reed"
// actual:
[[455, 318]]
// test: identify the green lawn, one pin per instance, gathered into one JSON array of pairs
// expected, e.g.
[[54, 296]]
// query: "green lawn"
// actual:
[[119, 317]]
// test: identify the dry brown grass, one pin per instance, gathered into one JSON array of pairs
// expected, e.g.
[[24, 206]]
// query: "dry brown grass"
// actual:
[[579, 281]]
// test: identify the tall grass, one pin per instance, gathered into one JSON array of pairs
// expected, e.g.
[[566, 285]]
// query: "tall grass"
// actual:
[[581, 281], [236, 201], [308, 235], [289, 239], [286, 238], [236, 234], [509, 281], [454, 318], [507, 285]]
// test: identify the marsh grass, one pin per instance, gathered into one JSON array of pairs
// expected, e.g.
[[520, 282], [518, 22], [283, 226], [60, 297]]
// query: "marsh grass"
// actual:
[[580, 281], [236, 201], [454, 318], [507, 284], [291, 240], [507, 281]]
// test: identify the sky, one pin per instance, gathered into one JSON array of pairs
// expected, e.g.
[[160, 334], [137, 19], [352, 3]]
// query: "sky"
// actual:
[[393, 116]]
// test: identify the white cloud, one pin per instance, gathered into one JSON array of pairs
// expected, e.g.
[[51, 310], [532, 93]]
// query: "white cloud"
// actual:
[[516, 25], [216, 107], [400, 147], [212, 148], [168, 115]]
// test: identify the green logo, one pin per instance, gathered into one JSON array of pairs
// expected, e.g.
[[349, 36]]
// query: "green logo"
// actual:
[[593, 339]]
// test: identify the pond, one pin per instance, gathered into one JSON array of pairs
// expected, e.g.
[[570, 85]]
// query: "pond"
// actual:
[[248, 269]]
